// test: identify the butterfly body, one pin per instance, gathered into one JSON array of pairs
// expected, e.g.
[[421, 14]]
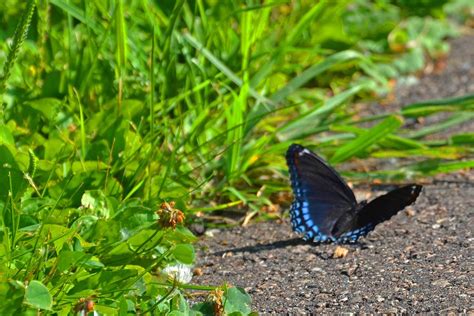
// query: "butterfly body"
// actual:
[[325, 208]]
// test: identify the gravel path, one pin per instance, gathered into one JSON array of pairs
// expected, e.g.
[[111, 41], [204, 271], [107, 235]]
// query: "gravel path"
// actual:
[[419, 261]]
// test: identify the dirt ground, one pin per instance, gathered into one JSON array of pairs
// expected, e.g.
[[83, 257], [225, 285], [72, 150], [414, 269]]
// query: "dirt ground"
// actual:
[[419, 261]]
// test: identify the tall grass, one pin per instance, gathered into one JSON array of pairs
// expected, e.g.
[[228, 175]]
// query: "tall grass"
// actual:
[[121, 106]]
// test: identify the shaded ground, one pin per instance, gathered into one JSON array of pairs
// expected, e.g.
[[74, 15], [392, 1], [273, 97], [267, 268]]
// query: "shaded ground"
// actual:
[[419, 261]]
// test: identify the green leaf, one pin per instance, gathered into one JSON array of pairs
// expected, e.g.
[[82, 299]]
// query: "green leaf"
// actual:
[[57, 234], [184, 253], [124, 252], [68, 259], [38, 296], [96, 201], [367, 139], [181, 306], [106, 280], [124, 307], [237, 301], [204, 308], [181, 234], [48, 107], [177, 313], [12, 177], [88, 166], [11, 295], [132, 217], [104, 310], [6, 136]]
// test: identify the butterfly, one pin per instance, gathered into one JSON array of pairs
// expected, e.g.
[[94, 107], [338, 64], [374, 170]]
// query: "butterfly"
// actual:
[[325, 208]]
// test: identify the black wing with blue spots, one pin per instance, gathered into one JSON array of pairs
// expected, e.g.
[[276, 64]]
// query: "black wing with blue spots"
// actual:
[[325, 208], [321, 196]]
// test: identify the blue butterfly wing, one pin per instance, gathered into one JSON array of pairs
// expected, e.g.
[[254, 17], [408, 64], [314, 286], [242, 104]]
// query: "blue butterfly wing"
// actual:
[[321, 196], [382, 208]]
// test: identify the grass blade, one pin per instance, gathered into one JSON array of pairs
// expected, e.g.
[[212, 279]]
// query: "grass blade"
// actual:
[[441, 152], [121, 38], [76, 13], [223, 68], [313, 71], [308, 123], [454, 120], [414, 171], [367, 139], [426, 108]]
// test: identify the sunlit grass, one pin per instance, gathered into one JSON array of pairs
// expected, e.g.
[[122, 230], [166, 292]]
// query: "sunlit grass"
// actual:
[[112, 108]]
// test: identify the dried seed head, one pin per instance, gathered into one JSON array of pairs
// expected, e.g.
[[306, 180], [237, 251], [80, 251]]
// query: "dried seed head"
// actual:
[[170, 216], [84, 305], [216, 298]]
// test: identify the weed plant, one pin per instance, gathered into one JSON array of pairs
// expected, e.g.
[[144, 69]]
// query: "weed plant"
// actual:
[[121, 121]]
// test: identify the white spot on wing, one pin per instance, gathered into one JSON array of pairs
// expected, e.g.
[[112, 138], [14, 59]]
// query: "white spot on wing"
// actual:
[[304, 151]]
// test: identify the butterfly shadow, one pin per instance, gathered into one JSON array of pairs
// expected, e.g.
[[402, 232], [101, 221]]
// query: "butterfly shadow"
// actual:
[[323, 254], [284, 244], [263, 247]]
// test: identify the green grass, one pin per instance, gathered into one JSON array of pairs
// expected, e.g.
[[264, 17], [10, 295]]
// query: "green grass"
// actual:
[[111, 108]]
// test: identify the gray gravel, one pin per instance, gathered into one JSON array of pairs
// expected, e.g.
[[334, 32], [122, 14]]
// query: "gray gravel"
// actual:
[[457, 79], [419, 261]]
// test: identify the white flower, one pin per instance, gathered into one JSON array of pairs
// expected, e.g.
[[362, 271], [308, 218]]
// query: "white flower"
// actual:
[[181, 272]]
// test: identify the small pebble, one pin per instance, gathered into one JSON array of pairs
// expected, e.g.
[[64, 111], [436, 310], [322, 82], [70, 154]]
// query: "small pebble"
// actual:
[[340, 252]]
